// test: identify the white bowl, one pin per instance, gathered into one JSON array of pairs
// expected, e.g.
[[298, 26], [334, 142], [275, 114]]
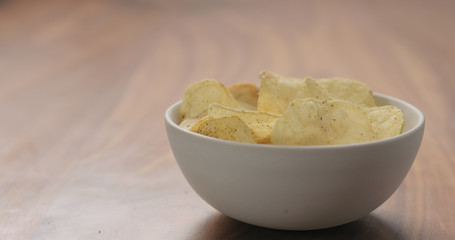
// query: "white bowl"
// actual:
[[296, 187]]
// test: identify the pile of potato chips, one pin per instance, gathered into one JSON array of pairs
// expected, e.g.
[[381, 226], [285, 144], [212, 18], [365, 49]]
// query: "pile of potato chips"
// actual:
[[289, 111]]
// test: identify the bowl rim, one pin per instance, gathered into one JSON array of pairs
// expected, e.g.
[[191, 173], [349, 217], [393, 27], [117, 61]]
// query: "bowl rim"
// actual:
[[420, 124]]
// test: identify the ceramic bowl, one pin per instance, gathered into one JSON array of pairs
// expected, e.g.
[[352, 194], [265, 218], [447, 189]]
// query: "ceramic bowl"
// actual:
[[296, 187]]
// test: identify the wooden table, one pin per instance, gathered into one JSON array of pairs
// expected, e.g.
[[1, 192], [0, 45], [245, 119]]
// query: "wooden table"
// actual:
[[84, 86]]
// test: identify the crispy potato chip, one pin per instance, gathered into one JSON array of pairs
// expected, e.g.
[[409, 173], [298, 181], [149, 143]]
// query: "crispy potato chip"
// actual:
[[195, 126], [386, 121], [276, 91], [330, 122], [289, 111], [313, 122], [348, 89], [199, 95], [246, 95], [230, 128], [259, 122], [188, 123]]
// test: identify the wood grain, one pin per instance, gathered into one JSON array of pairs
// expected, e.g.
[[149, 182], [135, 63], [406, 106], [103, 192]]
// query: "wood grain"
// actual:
[[84, 86]]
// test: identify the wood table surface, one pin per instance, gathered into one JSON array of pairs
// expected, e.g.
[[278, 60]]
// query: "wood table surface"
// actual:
[[84, 86]]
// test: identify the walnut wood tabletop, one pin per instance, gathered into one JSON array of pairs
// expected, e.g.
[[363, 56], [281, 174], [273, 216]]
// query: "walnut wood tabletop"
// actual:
[[84, 86]]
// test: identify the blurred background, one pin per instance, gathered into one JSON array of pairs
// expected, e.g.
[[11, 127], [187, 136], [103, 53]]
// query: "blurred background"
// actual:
[[184, 41], [56, 56], [84, 86]]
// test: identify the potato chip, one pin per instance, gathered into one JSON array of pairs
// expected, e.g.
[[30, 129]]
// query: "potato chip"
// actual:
[[246, 95], [386, 121], [276, 91], [348, 89], [188, 123], [199, 95], [259, 122], [195, 126], [289, 111], [230, 128], [330, 122]]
